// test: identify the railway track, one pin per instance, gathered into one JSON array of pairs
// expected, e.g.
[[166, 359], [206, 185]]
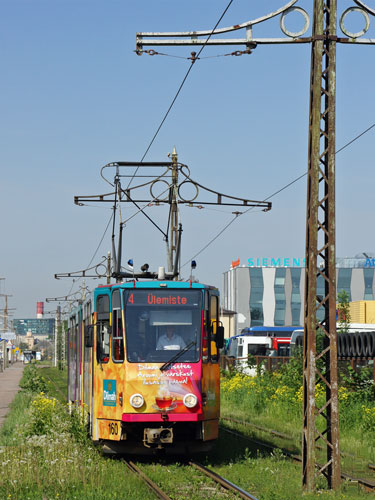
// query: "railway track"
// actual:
[[53, 383], [366, 483], [150, 483], [283, 436], [259, 427], [224, 483]]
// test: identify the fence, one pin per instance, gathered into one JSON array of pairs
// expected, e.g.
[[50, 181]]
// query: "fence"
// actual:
[[273, 363]]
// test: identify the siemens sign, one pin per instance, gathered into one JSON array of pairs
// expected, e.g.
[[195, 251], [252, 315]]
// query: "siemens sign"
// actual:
[[276, 262], [341, 262]]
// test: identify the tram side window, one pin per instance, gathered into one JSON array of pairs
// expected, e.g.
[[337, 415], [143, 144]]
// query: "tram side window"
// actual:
[[102, 329], [118, 336]]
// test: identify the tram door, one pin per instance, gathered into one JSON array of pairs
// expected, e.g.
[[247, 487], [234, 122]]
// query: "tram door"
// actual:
[[210, 367], [108, 367]]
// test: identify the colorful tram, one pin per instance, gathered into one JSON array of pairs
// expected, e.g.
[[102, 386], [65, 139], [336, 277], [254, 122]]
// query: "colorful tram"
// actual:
[[143, 360]]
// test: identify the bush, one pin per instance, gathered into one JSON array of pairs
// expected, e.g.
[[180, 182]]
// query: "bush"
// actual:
[[32, 381], [368, 419], [49, 417], [360, 383]]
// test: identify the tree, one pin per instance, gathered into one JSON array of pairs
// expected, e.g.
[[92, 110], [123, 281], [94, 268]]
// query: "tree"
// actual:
[[23, 346], [343, 306]]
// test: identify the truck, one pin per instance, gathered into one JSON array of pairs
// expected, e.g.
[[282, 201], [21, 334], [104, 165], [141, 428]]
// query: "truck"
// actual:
[[271, 344]]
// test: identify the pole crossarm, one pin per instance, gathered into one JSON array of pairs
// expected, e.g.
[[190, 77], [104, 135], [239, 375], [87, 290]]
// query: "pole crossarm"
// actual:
[[207, 37], [98, 270], [61, 299], [364, 6], [73, 297]]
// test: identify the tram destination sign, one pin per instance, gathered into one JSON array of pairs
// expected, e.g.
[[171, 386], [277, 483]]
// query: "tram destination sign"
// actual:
[[162, 297]]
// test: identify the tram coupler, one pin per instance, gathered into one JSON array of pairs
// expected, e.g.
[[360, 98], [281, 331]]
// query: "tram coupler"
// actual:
[[158, 437]]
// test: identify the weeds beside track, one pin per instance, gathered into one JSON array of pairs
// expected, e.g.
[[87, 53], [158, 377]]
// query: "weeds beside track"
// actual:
[[366, 483]]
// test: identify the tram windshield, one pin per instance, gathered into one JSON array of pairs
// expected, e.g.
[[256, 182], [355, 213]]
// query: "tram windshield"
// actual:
[[161, 323]]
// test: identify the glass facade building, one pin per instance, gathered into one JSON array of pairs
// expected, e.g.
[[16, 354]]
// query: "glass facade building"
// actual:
[[256, 296], [274, 296]]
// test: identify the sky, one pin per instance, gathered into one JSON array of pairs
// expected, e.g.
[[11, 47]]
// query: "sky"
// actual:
[[74, 96]]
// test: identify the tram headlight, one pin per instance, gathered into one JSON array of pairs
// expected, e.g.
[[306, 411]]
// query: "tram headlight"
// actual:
[[190, 400], [137, 400]]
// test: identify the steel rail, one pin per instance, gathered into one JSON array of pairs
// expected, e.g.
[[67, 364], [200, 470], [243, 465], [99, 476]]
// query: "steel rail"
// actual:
[[54, 383], [222, 481], [264, 429], [153, 486], [284, 436], [370, 485]]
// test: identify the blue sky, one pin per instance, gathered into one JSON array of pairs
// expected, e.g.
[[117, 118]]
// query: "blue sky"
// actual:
[[74, 96]]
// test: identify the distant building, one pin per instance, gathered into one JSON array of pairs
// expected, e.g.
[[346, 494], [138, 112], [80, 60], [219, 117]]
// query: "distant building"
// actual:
[[362, 311], [270, 291], [44, 326], [227, 319], [29, 340]]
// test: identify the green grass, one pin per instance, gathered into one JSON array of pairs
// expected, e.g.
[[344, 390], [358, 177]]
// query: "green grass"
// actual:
[[9, 434], [57, 382], [51, 468], [44, 455], [58, 464], [274, 403], [265, 475]]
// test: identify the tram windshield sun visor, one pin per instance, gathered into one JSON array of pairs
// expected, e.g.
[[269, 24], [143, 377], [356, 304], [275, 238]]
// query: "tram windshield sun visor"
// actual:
[[162, 325]]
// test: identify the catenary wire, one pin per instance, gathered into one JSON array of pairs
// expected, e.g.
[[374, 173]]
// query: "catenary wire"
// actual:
[[180, 88], [355, 138], [235, 53], [96, 251], [172, 103], [171, 106], [271, 196], [236, 216]]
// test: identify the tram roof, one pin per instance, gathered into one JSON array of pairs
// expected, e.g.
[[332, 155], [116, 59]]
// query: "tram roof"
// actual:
[[157, 284]]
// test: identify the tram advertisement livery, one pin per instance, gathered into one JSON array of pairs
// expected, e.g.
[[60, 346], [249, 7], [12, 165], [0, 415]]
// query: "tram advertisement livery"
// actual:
[[144, 364]]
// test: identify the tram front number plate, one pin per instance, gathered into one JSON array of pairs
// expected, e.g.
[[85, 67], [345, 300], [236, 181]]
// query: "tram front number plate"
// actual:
[[109, 429]]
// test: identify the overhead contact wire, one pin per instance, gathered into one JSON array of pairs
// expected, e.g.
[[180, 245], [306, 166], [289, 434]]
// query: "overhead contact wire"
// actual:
[[184, 80], [274, 194], [160, 126], [96, 251], [180, 87]]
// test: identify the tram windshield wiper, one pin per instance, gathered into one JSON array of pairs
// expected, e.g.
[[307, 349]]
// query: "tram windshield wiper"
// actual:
[[176, 356]]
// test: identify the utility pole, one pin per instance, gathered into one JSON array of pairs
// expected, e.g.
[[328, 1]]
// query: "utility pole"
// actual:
[[320, 216], [58, 339], [174, 211], [6, 310], [55, 343], [63, 342], [109, 272], [320, 253]]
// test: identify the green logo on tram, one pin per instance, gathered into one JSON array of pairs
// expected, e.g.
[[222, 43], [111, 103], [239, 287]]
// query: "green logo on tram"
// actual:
[[109, 393]]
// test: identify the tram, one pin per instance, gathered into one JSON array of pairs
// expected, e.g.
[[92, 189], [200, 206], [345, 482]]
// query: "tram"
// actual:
[[143, 362]]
